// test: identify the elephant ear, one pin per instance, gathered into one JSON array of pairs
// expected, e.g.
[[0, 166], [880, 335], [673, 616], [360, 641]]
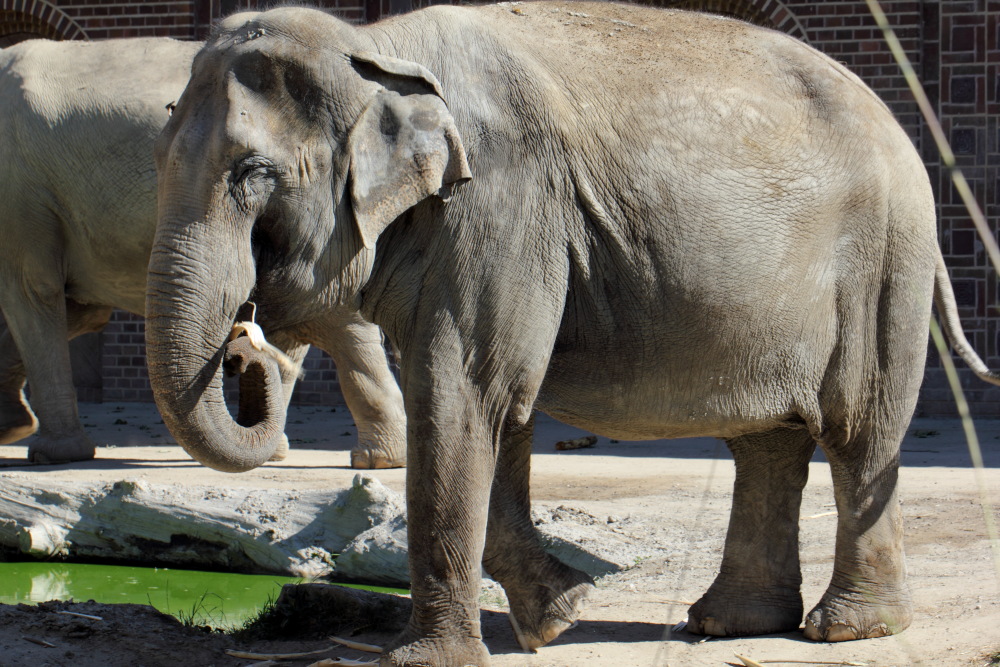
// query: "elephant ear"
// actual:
[[405, 146]]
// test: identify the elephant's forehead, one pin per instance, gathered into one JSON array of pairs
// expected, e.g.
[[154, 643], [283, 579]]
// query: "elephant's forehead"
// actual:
[[305, 27]]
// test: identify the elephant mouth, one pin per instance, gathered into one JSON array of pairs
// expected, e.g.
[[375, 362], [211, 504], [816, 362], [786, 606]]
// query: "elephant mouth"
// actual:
[[247, 357]]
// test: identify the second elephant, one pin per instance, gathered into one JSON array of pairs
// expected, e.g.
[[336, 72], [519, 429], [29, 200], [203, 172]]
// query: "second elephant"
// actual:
[[78, 212]]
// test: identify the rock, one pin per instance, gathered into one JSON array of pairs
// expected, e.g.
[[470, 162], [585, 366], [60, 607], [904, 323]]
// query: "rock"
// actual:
[[319, 610]]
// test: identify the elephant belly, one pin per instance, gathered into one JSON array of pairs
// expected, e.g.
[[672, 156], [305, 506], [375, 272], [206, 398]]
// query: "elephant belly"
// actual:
[[673, 399]]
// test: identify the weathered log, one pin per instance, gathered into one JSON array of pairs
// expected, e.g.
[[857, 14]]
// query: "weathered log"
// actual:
[[356, 534], [248, 530]]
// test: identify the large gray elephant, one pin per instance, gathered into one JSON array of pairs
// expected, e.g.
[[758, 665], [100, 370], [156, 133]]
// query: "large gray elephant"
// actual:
[[645, 223], [77, 215]]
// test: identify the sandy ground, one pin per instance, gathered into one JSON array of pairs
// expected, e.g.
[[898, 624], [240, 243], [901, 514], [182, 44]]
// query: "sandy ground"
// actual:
[[670, 498]]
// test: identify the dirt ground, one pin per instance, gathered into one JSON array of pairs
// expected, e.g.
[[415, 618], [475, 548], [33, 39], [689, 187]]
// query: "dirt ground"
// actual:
[[670, 498]]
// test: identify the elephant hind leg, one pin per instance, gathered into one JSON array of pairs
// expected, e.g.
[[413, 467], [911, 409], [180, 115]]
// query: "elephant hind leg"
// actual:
[[371, 392], [545, 595], [868, 595], [757, 589], [17, 421], [41, 324]]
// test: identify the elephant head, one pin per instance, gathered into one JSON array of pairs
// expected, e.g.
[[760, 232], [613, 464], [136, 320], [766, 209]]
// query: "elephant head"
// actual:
[[292, 148]]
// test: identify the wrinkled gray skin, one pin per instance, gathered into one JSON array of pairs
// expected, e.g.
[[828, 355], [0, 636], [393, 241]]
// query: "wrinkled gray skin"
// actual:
[[676, 225], [77, 215]]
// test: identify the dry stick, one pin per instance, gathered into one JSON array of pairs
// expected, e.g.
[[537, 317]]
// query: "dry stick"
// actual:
[[814, 662], [357, 646], [247, 655], [40, 642], [749, 662], [989, 242], [74, 613]]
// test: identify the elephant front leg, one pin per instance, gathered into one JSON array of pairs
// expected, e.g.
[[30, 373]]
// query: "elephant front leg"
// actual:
[[868, 595], [371, 393], [450, 469], [17, 421], [545, 595], [757, 589]]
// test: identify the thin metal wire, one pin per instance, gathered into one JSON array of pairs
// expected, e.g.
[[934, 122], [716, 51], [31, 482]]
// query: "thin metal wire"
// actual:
[[975, 452], [663, 651]]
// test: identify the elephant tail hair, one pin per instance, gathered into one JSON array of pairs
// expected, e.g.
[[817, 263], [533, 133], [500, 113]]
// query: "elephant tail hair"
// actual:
[[944, 299]]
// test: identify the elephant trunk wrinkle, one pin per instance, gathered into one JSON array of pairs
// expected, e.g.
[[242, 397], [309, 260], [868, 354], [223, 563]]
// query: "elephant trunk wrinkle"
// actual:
[[186, 351]]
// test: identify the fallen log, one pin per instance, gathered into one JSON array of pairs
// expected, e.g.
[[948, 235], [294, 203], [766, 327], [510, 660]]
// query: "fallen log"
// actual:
[[357, 534], [298, 533]]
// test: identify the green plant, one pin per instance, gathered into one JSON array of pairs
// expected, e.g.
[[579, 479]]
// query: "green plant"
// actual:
[[258, 624], [200, 615]]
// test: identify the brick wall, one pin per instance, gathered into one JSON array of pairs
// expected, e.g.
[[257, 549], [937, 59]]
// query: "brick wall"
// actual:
[[124, 377], [94, 19], [954, 44], [963, 70]]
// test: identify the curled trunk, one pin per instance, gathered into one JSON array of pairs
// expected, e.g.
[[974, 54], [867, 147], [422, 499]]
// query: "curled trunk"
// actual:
[[193, 294]]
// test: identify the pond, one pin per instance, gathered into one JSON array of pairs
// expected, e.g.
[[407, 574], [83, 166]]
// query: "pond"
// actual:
[[218, 599]]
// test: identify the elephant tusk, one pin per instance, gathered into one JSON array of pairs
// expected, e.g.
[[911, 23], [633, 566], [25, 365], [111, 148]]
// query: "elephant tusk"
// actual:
[[253, 331]]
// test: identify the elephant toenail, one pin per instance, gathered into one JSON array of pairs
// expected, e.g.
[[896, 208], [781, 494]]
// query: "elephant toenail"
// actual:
[[841, 633]]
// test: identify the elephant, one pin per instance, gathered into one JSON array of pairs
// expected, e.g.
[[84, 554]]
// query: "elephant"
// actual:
[[78, 186], [646, 223]]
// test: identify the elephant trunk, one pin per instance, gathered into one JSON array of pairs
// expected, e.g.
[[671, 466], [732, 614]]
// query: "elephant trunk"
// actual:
[[195, 286]]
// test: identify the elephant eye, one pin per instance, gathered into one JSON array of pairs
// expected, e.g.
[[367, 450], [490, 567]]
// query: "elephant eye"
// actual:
[[246, 178], [254, 165]]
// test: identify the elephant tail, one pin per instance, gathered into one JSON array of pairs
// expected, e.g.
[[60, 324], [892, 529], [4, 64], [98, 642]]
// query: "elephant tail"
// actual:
[[944, 299]]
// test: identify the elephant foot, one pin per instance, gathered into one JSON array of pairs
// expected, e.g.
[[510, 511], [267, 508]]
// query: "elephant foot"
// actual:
[[363, 458], [744, 614], [281, 453], [438, 652], [49, 450], [381, 444], [539, 618], [844, 616], [16, 423]]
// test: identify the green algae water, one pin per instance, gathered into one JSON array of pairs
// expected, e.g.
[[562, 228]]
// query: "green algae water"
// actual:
[[218, 599]]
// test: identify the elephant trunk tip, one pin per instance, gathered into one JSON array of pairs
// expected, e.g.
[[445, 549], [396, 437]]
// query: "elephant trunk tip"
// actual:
[[290, 370]]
